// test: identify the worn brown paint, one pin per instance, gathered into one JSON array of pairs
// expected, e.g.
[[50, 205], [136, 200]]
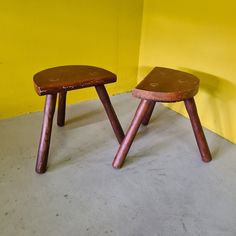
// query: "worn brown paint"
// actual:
[[104, 97], [44, 143], [61, 79], [65, 78], [148, 114], [164, 85], [61, 109], [197, 129], [167, 85], [130, 135]]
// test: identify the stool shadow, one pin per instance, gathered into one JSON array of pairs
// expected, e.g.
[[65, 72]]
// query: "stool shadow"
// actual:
[[81, 115], [213, 84], [89, 112], [85, 118]]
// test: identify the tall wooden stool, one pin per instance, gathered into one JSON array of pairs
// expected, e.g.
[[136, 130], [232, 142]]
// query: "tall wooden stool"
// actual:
[[164, 85], [59, 80]]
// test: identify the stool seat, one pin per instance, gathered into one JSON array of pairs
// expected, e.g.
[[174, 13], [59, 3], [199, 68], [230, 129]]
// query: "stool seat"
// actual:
[[167, 85], [70, 77]]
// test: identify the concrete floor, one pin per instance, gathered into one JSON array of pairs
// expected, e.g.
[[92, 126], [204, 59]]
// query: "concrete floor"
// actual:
[[164, 188]]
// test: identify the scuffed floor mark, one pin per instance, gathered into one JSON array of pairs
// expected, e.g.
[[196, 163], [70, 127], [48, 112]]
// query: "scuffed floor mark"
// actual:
[[184, 226]]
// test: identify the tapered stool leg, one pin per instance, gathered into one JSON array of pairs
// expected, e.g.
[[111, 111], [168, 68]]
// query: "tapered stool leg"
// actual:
[[148, 115], [132, 131], [197, 128], [103, 95], [42, 158], [61, 109]]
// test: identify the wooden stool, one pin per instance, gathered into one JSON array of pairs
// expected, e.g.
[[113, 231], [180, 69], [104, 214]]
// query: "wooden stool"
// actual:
[[59, 80], [164, 85]]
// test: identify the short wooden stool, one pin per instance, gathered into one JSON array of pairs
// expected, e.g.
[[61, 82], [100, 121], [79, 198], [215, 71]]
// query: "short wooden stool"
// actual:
[[164, 85], [59, 80]]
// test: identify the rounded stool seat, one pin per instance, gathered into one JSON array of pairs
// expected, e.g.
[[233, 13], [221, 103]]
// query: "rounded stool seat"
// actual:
[[167, 85], [70, 77]]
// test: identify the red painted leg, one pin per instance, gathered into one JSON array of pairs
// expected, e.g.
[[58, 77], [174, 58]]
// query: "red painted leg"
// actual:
[[42, 158], [130, 135], [102, 93], [148, 115], [61, 109], [197, 128]]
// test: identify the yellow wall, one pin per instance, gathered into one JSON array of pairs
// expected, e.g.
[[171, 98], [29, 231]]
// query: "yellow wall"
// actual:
[[198, 37], [35, 35], [195, 36]]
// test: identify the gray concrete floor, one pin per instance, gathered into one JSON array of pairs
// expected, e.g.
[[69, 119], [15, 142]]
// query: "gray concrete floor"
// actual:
[[164, 188]]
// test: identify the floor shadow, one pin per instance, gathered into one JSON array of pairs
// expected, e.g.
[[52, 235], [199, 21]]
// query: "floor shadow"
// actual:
[[86, 113]]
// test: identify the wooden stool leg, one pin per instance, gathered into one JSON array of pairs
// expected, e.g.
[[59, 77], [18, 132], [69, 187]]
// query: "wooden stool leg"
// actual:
[[129, 137], [197, 128], [61, 109], [104, 97], [148, 115], [42, 158]]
